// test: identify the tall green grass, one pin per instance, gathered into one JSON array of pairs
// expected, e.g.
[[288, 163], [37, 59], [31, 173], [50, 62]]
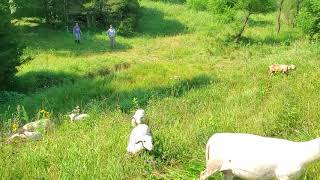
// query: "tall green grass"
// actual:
[[183, 71]]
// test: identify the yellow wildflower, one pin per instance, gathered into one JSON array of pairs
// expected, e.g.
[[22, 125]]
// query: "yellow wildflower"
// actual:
[[15, 126]]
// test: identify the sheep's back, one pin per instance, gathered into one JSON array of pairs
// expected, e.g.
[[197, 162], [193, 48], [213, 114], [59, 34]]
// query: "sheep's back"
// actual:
[[248, 147]]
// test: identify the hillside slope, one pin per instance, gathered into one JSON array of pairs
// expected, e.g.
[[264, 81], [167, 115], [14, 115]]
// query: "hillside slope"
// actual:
[[190, 81]]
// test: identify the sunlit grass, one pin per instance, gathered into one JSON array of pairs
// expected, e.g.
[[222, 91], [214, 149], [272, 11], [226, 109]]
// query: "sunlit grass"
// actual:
[[191, 80]]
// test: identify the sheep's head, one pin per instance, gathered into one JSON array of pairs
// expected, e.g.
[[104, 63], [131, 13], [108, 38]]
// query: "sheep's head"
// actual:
[[291, 66], [72, 116], [146, 142], [137, 117], [76, 110], [29, 127]]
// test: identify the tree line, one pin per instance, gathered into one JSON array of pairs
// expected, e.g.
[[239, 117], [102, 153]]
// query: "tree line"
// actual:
[[91, 13], [302, 13], [58, 14], [123, 13]]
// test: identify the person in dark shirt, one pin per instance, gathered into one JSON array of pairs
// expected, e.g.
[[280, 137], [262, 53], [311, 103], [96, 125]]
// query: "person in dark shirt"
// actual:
[[77, 33]]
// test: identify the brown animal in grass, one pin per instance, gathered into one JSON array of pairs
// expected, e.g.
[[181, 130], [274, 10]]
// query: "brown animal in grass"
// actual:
[[281, 68]]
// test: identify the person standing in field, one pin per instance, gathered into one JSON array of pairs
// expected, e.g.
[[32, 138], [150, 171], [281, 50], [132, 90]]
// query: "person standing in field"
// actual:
[[77, 33], [111, 32]]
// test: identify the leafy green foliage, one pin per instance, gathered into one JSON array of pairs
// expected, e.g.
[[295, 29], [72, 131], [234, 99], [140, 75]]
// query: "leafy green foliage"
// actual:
[[309, 18], [291, 10], [256, 6], [59, 13], [221, 6], [9, 48]]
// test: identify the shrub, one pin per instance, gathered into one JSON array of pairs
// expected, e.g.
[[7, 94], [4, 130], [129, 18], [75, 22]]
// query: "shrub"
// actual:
[[123, 14], [309, 18], [127, 26], [221, 6]]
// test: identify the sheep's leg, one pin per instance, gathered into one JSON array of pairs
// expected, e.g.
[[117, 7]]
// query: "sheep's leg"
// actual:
[[270, 72], [283, 178], [228, 175], [207, 173]]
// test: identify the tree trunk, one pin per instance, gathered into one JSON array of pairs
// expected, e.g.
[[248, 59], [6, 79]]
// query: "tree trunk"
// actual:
[[65, 5], [238, 36], [93, 20], [298, 6], [279, 16], [88, 20], [46, 11]]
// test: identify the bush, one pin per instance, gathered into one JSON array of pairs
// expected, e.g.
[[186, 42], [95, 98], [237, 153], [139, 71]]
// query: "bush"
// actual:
[[127, 22], [220, 6], [9, 48], [309, 18]]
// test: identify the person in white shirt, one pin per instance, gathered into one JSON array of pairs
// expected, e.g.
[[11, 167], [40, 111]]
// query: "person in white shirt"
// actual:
[[112, 36]]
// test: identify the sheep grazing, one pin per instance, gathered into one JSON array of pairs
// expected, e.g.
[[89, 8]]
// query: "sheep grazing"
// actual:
[[76, 114], [274, 68], [254, 157], [140, 138], [138, 117]]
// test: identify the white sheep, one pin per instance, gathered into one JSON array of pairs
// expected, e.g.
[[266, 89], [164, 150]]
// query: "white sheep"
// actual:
[[26, 135], [77, 117], [138, 117], [255, 157], [36, 125], [140, 138], [76, 114]]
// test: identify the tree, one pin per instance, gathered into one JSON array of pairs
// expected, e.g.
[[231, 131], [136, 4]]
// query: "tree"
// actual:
[[291, 9], [309, 18], [221, 6], [253, 7], [279, 15], [121, 13], [9, 48]]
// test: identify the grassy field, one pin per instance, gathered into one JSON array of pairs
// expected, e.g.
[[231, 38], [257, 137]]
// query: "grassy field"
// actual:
[[182, 70]]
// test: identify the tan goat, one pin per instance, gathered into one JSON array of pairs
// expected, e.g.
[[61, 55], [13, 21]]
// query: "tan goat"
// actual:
[[282, 68]]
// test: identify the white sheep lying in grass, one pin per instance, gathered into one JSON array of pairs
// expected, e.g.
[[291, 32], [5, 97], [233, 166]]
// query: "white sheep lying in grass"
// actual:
[[140, 138], [32, 130], [254, 157], [26, 135], [37, 125], [138, 117], [76, 115]]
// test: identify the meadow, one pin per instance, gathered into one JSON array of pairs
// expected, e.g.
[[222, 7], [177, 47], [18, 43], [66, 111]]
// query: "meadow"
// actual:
[[190, 79]]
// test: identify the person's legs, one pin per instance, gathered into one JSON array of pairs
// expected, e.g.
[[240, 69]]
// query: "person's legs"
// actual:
[[77, 37], [114, 41], [111, 42]]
